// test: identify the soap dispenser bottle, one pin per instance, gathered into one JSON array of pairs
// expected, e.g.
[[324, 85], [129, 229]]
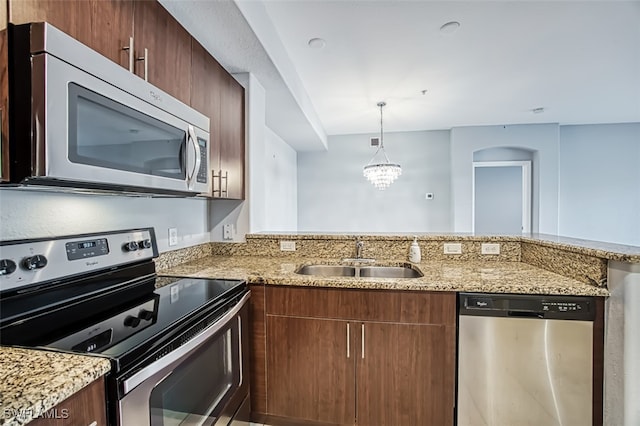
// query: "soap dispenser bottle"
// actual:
[[414, 251]]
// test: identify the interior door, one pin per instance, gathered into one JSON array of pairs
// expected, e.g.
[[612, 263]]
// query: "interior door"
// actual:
[[502, 197]]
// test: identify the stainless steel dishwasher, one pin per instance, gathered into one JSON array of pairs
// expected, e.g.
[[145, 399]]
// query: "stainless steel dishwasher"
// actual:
[[525, 360]]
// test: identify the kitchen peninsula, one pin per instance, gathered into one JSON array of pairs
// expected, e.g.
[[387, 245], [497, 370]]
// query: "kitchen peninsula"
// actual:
[[287, 305], [535, 264]]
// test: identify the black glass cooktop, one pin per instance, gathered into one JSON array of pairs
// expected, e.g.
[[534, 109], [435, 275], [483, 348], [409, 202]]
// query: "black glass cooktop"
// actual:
[[128, 323]]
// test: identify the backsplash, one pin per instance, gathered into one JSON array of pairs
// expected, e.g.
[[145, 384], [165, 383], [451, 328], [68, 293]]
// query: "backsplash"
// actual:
[[581, 267], [379, 247], [584, 265]]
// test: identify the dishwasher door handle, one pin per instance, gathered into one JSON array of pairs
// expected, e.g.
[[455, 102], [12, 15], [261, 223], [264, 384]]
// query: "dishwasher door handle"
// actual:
[[520, 314]]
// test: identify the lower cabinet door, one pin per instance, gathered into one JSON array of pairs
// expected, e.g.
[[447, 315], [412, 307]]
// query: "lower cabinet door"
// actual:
[[310, 369], [405, 374]]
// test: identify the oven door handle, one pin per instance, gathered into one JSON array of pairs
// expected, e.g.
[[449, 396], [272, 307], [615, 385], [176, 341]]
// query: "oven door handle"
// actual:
[[184, 350]]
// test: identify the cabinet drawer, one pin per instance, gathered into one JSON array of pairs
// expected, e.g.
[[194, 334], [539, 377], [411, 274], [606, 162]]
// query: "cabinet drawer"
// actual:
[[416, 307]]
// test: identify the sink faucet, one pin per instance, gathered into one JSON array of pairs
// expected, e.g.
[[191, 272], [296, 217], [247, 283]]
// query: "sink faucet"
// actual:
[[358, 258], [359, 247]]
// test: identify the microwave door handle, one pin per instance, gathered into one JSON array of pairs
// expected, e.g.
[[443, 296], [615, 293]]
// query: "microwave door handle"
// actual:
[[191, 136]]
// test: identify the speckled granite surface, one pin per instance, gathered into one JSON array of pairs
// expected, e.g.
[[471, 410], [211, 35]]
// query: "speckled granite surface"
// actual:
[[609, 251], [375, 246], [476, 276], [32, 381], [581, 260]]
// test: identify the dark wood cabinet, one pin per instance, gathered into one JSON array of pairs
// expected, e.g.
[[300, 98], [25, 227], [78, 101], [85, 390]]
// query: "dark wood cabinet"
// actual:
[[85, 407], [310, 370], [216, 94], [103, 25], [232, 139], [405, 374], [365, 357], [107, 26], [4, 94], [163, 49]]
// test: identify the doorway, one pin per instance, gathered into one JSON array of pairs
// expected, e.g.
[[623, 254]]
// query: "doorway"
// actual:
[[501, 197]]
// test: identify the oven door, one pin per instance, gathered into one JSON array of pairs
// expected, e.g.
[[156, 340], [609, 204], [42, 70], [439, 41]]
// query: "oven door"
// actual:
[[202, 382]]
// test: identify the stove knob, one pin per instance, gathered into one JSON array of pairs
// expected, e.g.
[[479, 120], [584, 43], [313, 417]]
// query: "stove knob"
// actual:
[[131, 321], [7, 266], [34, 262], [144, 244], [145, 315], [130, 246]]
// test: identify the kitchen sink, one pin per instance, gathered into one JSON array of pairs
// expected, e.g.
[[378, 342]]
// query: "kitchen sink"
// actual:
[[327, 270], [389, 272], [359, 271]]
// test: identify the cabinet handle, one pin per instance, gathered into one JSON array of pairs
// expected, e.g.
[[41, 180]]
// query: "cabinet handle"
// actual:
[[214, 179], [362, 332], [93, 423], [219, 178], [131, 56], [226, 183], [145, 59], [348, 342]]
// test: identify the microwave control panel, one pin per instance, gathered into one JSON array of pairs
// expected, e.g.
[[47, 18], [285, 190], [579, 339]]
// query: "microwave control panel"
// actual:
[[203, 172]]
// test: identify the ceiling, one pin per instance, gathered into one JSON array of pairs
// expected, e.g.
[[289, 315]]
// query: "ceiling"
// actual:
[[577, 60]]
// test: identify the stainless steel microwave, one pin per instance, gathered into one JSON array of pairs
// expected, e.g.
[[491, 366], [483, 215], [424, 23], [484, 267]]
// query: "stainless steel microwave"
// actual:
[[80, 120]]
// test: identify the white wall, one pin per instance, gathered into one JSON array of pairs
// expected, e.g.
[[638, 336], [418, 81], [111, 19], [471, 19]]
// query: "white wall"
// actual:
[[281, 184], [540, 138], [600, 182], [35, 214], [333, 195]]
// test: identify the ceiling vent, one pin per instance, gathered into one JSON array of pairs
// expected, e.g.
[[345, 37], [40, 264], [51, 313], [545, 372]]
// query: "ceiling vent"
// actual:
[[375, 142]]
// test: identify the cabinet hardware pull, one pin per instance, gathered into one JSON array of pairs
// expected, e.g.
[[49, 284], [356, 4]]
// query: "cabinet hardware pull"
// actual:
[[348, 343], [130, 49], [145, 59], [221, 192], [214, 179], [226, 183], [362, 330]]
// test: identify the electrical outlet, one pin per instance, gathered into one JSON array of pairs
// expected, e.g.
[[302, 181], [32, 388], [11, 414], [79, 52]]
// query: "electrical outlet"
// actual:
[[490, 248], [287, 246], [173, 236], [227, 232], [452, 248]]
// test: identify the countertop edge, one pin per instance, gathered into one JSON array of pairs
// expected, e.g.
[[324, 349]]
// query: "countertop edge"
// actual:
[[24, 397]]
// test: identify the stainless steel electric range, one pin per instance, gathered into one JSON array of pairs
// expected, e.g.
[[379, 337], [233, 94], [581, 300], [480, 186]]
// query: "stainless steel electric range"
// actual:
[[178, 346]]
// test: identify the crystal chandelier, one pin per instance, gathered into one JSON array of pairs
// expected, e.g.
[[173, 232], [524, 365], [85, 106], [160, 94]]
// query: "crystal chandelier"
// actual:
[[381, 173]]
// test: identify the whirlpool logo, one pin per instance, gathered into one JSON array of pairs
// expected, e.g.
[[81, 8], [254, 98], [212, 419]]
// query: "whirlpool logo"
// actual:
[[94, 263], [155, 96]]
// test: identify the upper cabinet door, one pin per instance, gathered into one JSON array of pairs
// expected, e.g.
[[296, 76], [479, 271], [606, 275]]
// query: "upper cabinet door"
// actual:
[[206, 80], [168, 49], [103, 25], [232, 138]]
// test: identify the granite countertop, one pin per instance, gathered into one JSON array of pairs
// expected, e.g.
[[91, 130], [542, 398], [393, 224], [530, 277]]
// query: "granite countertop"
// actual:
[[34, 381], [472, 276]]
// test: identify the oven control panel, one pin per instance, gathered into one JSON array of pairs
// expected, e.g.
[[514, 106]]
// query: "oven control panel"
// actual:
[[25, 263]]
